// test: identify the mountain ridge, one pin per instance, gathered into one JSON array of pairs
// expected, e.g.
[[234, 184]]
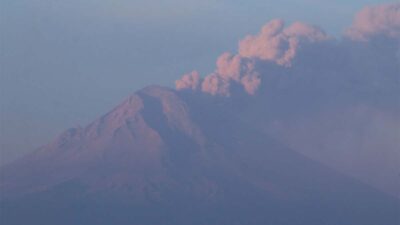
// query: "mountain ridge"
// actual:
[[160, 150]]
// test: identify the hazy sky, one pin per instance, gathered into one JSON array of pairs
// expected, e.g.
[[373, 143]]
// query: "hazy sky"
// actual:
[[63, 63]]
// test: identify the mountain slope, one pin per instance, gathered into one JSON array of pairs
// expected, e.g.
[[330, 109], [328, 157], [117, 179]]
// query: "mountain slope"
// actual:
[[163, 158]]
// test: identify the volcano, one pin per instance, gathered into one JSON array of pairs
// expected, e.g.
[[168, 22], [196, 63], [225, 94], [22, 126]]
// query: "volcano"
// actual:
[[164, 157]]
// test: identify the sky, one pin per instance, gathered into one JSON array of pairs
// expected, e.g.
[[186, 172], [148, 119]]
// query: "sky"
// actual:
[[64, 63]]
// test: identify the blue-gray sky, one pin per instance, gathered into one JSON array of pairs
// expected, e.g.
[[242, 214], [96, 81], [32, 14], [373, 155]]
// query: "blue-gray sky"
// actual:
[[63, 63]]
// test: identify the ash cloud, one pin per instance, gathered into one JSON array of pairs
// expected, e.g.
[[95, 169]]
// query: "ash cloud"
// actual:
[[307, 88], [304, 50], [279, 44], [372, 21]]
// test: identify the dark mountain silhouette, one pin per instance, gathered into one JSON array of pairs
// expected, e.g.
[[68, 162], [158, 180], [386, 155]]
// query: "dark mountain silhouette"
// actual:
[[166, 157]]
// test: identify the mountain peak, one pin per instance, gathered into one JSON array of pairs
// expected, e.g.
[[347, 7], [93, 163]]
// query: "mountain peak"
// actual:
[[153, 151], [143, 131]]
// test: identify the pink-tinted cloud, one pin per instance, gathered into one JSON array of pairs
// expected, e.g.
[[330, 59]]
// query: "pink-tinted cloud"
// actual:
[[216, 85], [376, 21], [251, 82], [189, 81], [231, 69], [273, 44], [229, 66], [309, 54], [235, 68], [279, 44]]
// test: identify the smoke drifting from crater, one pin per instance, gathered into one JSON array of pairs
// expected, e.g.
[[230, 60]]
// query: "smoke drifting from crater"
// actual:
[[308, 89], [306, 47]]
